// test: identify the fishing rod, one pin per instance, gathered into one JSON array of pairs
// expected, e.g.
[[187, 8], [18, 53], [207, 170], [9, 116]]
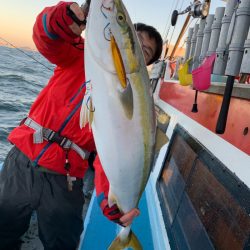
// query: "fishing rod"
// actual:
[[195, 10], [33, 58], [168, 23], [84, 7], [168, 27]]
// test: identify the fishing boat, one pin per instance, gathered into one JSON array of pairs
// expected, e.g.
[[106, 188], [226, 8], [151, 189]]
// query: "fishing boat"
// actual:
[[198, 193]]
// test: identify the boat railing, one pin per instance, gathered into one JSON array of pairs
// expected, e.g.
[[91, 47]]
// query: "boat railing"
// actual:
[[224, 36]]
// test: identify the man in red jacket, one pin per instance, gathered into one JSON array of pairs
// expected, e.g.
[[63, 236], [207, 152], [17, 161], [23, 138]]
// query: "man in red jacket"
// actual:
[[44, 169]]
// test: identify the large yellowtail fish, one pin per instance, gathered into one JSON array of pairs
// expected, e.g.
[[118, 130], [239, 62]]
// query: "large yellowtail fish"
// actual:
[[119, 106]]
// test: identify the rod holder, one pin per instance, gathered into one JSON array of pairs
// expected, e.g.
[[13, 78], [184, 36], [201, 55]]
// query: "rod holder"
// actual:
[[200, 35], [216, 28], [206, 37], [222, 49], [239, 27], [245, 66], [188, 43]]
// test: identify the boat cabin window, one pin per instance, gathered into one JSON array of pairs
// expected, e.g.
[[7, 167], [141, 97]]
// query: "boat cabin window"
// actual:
[[204, 205]]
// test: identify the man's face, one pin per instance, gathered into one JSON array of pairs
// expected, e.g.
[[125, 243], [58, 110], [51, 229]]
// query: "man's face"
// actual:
[[148, 45]]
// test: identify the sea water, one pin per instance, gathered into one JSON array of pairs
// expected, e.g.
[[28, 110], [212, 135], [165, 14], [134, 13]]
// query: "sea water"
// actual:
[[21, 79]]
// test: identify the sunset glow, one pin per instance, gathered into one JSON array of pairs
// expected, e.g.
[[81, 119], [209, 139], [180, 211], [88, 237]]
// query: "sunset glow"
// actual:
[[18, 17]]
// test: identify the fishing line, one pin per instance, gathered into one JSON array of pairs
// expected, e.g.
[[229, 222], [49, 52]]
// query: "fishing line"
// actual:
[[25, 53], [168, 20], [167, 26], [181, 5], [190, 24], [186, 30], [172, 35]]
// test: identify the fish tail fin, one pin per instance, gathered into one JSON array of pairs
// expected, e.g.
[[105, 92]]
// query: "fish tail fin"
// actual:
[[131, 241]]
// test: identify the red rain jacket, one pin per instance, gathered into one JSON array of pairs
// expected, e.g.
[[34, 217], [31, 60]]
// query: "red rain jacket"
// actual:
[[60, 97]]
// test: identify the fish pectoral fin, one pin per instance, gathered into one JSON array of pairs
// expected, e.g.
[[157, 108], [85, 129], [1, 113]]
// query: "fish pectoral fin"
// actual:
[[126, 98], [126, 94], [160, 140], [130, 242]]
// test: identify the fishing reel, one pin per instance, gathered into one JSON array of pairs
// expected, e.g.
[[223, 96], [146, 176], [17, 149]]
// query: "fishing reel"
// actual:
[[196, 10]]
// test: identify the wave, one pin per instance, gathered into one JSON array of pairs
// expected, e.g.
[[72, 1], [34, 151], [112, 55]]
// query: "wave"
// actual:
[[27, 70], [12, 77], [6, 107], [21, 79]]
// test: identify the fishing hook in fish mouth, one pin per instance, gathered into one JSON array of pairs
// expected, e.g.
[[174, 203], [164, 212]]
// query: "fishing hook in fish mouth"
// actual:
[[106, 8], [107, 32]]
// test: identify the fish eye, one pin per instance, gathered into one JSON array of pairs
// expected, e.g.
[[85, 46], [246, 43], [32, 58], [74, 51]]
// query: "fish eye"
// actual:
[[121, 17]]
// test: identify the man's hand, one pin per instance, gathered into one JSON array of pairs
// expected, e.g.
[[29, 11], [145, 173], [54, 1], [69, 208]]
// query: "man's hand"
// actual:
[[128, 218], [79, 13], [113, 213], [67, 21]]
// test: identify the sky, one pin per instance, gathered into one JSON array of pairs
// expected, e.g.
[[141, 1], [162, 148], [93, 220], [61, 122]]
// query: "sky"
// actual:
[[17, 17]]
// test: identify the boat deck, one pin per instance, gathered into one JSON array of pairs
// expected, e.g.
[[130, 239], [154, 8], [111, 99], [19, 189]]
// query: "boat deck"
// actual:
[[99, 231]]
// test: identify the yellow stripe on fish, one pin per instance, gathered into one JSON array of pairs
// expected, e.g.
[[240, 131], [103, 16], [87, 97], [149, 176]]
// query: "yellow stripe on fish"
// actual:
[[120, 70]]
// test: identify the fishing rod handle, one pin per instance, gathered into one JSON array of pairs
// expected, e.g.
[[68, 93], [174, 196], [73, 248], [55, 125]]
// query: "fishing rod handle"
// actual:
[[85, 9], [74, 17], [222, 119]]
